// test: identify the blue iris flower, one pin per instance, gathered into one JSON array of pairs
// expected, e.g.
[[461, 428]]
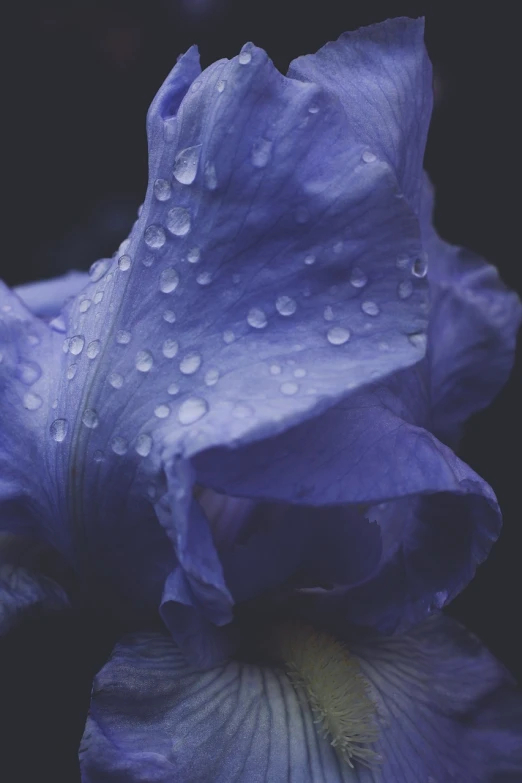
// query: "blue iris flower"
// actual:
[[249, 412]]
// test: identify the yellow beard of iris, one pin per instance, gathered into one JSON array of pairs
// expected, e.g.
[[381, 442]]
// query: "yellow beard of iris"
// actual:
[[323, 670]]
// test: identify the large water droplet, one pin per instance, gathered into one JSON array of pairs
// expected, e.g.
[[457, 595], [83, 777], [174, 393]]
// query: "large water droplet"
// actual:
[[261, 153], [124, 263], [143, 444], [161, 411], [170, 348], [357, 278], [144, 361], [169, 280], [210, 176], [32, 401], [178, 221], [370, 308], [90, 418], [116, 380], [369, 157], [211, 377], [289, 388], [98, 269], [123, 337], [84, 305], [405, 289], [245, 56], [192, 409], [119, 445], [190, 363], [93, 349], [58, 430], [29, 372], [154, 236], [193, 255], [162, 190], [338, 335], [186, 165], [256, 318], [285, 305], [420, 266], [76, 344]]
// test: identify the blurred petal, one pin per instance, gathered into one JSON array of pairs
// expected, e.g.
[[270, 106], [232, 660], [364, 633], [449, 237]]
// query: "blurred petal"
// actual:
[[472, 333], [47, 297], [22, 587], [447, 711], [383, 77]]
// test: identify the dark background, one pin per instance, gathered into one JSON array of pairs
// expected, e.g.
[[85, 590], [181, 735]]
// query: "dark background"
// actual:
[[76, 84]]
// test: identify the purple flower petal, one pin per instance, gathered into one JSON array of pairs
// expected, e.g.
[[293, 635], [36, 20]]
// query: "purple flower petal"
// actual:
[[446, 711], [47, 297]]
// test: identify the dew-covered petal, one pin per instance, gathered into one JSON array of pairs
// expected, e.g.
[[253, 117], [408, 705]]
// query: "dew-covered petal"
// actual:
[[47, 297], [437, 519], [23, 586], [154, 719], [446, 711], [382, 74], [472, 333], [449, 711]]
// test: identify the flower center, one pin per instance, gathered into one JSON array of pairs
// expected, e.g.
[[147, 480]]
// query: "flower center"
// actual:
[[324, 671]]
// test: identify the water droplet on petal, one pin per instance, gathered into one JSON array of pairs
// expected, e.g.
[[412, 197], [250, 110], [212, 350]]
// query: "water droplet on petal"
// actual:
[[173, 388], [119, 445], [211, 377], [244, 57], [275, 369], [256, 318], [93, 349], [169, 280], [84, 305], [98, 456], [405, 289], [154, 236], [98, 269], [29, 372], [285, 305], [328, 313], [123, 337], [144, 361], [170, 348], [370, 308], [369, 157], [169, 316], [210, 176], [124, 246], [178, 221], [186, 165], [71, 371], [116, 380], [220, 86], [289, 388], [58, 430], [204, 278], [310, 259], [124, 263], [338, 335], [32, 401], [192, 409], [261, 153], [299, 373], [418, 340], [313, 109], [193, 255], [162, 190], [143, 444], [147, 261], [190, 363], [357, 278], [420, 267], [76, 344], [90, 418], [228, 336], [161, 411], [98, 296]]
